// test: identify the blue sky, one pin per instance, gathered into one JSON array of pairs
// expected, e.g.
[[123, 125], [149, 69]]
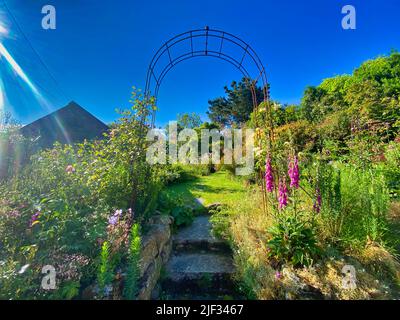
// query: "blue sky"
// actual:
[[100, 49]]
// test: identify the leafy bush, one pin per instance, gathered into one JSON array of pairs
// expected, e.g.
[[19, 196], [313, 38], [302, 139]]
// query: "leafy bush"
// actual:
[[182, 213], [292, 241], [59, 204]]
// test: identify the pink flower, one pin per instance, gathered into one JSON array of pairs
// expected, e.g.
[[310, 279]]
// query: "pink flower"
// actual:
[[283, 194], [70, 169], [294, 172], [278, 275], [269, 178]]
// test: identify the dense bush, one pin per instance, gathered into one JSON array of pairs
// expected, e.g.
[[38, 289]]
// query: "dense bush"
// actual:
[[60, 210]]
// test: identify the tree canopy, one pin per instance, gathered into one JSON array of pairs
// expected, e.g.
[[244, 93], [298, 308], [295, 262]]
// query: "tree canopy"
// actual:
[[236, 107]]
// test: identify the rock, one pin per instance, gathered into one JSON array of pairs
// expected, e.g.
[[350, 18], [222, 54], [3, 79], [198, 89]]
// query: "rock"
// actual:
[[202, 273], [165, 254], [310, 293], [296, 289], [149, 252], [162, 219], [156, 249], [155, 295], [89, 293], [198, 237], [214, 206], [150, 279], [154, 241], [161, 233]]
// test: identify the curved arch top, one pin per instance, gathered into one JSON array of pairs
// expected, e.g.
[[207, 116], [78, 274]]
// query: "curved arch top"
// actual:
[[205, 42]]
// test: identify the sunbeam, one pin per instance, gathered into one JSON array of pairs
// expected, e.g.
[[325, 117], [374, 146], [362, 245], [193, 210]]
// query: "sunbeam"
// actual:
[[17, 69]]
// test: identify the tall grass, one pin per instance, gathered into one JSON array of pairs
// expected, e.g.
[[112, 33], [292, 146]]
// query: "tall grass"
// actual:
[[354, 205]]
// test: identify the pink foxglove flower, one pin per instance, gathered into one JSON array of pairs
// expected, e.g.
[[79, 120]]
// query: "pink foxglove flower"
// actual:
[[283, 194], [294, 172], [269, 178]]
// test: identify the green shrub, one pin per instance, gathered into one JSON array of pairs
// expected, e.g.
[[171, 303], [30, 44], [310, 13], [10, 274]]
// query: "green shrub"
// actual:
[[183, 216], [182, 213], [133, 273], [105, 274], [292, 241]]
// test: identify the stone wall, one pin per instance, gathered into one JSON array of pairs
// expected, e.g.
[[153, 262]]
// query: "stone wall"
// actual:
[[156, 249]]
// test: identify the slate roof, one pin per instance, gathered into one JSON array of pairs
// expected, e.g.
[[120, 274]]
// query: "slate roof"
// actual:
[[69, 124]]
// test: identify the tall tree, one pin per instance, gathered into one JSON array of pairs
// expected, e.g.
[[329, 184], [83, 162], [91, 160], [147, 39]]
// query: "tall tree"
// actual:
[[236, 106]]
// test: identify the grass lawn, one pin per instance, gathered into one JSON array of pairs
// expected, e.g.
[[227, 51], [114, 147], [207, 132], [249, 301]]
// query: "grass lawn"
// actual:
[[218, 187]]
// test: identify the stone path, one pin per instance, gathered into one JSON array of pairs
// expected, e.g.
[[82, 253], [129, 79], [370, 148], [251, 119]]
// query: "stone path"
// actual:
[[200, 266]]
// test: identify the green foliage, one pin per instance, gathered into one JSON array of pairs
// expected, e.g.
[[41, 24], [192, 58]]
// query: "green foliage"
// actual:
[[183, 216], [60, 202], [354, 205], [133, 273], [390, 168], [177, 207], [120, 173], [237, 106], [105, 273], [292, 241], [370, 94], [189, 120]]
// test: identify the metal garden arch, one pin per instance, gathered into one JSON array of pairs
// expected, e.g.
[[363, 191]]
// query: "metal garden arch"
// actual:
[[211, 43]]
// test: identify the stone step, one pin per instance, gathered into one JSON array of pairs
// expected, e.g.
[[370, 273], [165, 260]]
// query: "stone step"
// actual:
[[198, 237], [199, 274]]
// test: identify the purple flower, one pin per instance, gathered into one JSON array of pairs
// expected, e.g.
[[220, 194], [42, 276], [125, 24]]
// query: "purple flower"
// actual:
[[113, 220], [283, 194], [34, 218], [318, 202], [294, 172], [278, 275], [269, 178]]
